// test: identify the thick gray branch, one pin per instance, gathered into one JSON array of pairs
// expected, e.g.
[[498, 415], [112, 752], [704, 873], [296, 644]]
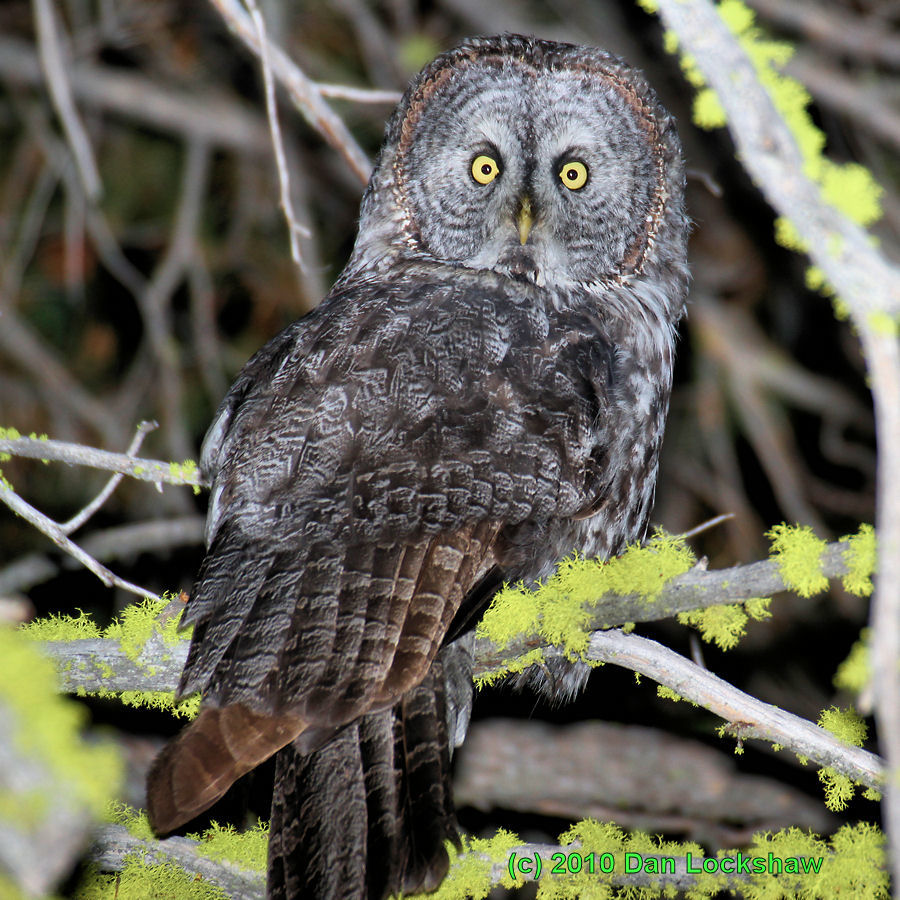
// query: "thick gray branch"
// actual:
[[696, 589], [102, 665]]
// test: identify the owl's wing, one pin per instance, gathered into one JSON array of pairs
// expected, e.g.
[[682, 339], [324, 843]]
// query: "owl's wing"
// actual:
[[371, 467]]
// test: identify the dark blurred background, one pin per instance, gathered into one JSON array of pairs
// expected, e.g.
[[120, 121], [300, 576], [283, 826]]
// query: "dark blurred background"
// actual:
[[145, 304]]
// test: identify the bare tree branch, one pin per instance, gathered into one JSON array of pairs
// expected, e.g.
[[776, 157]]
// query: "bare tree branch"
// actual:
[[832, 28], [156, 536], [747, 716], [50, 528], [153, 470], [295, 229], [81, 517], [303, 92], [56, 70]]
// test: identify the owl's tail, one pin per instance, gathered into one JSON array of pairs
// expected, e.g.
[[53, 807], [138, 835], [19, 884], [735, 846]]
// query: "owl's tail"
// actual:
[[199, 766], [368, 814]]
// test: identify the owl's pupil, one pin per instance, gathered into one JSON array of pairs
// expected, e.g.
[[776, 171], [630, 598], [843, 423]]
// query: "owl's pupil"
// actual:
[[571, 174], [486, 169]]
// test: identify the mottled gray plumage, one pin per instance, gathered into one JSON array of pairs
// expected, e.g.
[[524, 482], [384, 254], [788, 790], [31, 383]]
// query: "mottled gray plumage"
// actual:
[[483, 390]]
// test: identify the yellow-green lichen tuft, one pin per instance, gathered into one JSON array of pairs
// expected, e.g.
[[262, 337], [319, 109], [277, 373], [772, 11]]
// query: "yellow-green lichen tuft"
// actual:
[[246, 849], [138, 622], [854, 672], [559, 609], [135, 625], [852, 865], [184, 472], [860, 556], [839, 789], [469, 877], [590, 836], [139, 881], [135, 820], [161, 700], [846, 726], [798, 553], [62, 628], [510, 667], [48, 728], [725, 625], [666, 693]]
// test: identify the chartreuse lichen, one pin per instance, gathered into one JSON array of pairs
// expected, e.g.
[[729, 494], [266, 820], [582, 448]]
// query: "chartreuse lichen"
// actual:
[[247, 849], [141, 881], [848, 187], [789, 864], [154, 881], [725, 625], [469, 877], [47, 730], [848, 727], [558, 610], [798, 553], [860, 556], [854, 672], [184, 472], [135, 625]]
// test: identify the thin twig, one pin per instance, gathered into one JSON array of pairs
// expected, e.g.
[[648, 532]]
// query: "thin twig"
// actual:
[[357, 95], [50, 528], [152, 470], [156, 536], [210, 116], [155, 302], [80, 518], [303, 92], [295, 229], [705, 526], [56, 71]]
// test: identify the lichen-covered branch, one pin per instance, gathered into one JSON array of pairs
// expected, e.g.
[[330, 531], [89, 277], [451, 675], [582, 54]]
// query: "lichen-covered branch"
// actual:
[[747, 716], [869, 287], [54, 786], [114, 845], [101, 664], [696, 589]]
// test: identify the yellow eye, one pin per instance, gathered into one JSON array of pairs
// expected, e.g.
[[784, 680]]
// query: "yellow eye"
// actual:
[[485, 169], [573, 174]]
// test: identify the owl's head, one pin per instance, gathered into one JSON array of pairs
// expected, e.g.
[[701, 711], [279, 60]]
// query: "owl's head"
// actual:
[[537, 160]]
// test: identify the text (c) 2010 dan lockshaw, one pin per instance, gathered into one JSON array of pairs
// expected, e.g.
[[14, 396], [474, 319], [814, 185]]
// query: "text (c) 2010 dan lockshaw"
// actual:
[[531, 865]]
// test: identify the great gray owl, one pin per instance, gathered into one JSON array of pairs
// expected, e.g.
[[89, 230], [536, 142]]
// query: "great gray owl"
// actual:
[[483, 390]]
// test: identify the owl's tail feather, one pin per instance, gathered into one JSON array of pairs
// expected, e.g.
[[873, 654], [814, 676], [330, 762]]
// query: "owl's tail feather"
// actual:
[[368, 814], [199, 766]]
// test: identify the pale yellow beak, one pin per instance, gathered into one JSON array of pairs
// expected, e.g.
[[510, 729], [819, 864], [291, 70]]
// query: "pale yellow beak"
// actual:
[[525, 220]]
